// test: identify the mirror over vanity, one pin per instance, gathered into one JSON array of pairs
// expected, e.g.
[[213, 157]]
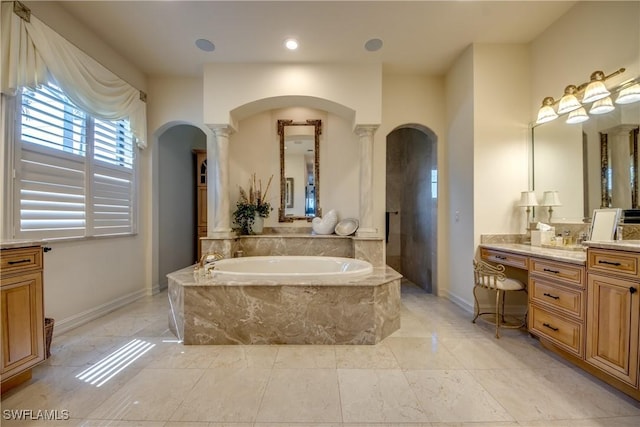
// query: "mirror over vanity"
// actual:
[[592, 164], [299, 170]]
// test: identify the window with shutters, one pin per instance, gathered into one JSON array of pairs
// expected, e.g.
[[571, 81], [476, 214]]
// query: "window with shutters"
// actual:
[[74, 174]]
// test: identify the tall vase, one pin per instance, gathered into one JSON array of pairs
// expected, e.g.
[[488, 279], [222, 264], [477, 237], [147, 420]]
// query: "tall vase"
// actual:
[[258, 224]]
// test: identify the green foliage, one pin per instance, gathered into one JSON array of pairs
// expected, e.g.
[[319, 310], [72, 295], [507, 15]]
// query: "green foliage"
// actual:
[[244, 215], [250, 205]]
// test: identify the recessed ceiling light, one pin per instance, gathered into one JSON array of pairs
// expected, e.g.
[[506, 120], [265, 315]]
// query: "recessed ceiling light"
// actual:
[[373, 44], [291, 44], [205, 45]]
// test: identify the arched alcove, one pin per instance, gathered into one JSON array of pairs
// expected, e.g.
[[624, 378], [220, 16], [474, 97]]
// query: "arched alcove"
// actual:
[[173, 197], [411, 204]]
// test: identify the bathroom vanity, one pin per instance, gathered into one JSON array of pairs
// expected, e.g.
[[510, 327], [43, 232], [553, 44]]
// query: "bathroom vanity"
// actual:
[[584, 306], [22, 332]]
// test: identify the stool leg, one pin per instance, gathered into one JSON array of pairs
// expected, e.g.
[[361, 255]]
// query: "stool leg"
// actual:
[[497, 313], [476, 307]]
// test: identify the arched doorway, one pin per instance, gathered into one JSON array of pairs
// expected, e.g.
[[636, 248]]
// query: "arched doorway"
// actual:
[[412, 204], [176, 192]]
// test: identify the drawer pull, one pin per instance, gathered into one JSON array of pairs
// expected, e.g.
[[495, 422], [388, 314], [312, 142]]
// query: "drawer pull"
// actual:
[[19, 261], [617, 264], [546, 325], [551, 296], [551, 271], [632, 290], [501, 257]]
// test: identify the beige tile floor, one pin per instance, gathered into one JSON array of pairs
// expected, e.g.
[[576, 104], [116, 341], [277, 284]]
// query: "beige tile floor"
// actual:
[[439, 369]]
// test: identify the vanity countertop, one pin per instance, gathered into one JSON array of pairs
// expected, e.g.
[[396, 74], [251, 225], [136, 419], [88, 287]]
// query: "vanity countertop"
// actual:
[[15, 244], [620, 245], [563, 255]]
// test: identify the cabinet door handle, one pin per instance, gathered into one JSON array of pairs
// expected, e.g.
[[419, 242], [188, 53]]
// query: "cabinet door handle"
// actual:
[[617, 264], [551, 271], [20, 261], [546, 325], [501, 257], [632, 290], [551, 296]]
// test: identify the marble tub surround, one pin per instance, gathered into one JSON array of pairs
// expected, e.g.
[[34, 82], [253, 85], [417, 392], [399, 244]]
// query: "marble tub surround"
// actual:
[[369, 249], [256, 311]]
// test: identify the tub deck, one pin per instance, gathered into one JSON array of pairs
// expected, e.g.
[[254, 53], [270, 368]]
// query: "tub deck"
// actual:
[[361, 310]]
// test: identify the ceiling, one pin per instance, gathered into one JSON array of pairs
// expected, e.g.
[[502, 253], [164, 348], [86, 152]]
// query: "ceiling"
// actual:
[[418, 36]]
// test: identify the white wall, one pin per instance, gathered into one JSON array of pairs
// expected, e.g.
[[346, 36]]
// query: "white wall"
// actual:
[[459, 154], [501, 100], [85, 278], [341, 89]]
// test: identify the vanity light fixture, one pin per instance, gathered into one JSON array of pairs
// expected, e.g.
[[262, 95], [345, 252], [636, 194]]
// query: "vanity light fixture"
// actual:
[[602, 106], [550, 199], [577, 116], [592, 91], [569, 102], [546, 113], [629, 94], [596, 89]]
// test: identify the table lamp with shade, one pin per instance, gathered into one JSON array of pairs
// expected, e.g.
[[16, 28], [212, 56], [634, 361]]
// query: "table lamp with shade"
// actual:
[[550, 199], [528, 199]]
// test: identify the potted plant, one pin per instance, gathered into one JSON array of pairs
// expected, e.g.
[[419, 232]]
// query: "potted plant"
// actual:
[[251, 209]]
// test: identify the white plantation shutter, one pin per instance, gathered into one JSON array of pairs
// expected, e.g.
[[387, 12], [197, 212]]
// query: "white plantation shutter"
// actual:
[[112, 201], [52, 194], [75, 175]]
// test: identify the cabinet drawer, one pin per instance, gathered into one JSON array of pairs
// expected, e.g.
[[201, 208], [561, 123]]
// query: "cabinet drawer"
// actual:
[[614, 262], [566, 273], [19, 260], [505, 258], [557, 329], [567, 300]]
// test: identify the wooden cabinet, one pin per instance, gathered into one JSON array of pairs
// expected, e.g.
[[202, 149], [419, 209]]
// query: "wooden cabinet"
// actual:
[[201, 198], [505, 258], [613, 313], [22, 331], [557, 303]]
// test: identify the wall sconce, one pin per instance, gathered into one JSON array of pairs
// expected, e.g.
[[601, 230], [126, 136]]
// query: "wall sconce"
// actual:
[[550, 199], [593, 92], [528, 199]]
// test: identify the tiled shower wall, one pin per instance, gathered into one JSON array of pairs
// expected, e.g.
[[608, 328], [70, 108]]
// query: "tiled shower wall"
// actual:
[[411, 206]]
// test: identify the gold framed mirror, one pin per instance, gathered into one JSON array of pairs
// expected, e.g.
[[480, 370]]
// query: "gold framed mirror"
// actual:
[[299, 170]]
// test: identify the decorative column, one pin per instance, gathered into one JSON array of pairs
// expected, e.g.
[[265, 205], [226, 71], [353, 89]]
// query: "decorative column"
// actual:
[[365, 133], [218, 204]]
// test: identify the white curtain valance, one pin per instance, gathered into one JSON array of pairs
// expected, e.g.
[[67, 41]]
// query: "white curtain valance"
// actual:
[[34, 54]]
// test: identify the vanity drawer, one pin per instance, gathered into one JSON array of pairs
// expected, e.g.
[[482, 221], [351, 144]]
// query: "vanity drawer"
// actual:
[[557, 329], [566, 273], [614, 262], [505, 258], [19, 260], [564, 299]]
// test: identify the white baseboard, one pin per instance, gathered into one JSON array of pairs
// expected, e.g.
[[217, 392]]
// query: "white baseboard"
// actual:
[[469, 307], [460, 302], [64, 325]]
